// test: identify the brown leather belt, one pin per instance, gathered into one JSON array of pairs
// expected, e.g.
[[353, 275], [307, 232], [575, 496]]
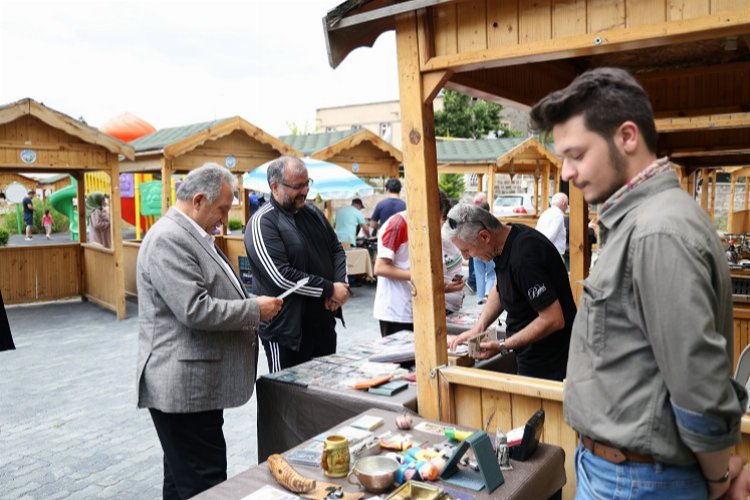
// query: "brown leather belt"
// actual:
[[612, 454]]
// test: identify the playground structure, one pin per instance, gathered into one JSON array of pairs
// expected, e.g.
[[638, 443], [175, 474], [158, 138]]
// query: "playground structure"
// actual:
[[35, 138]]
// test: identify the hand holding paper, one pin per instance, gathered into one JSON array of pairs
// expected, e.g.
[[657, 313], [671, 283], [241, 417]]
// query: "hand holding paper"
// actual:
[[296, 287]]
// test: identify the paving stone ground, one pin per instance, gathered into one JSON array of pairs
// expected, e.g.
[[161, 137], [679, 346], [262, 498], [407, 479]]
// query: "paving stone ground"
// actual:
[[69, 427]]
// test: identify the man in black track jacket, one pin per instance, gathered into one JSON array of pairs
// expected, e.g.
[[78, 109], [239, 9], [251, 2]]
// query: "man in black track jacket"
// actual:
[[288, 240]]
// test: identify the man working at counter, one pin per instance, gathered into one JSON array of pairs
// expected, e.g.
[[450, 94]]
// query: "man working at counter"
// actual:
[[649, 387], [532, 285]]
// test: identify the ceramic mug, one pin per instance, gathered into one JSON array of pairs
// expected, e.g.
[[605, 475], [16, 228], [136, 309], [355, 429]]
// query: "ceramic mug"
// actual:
[[335, 458]]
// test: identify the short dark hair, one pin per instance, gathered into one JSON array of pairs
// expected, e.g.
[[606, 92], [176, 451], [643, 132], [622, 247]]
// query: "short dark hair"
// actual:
[[606, 97], [393, 186]]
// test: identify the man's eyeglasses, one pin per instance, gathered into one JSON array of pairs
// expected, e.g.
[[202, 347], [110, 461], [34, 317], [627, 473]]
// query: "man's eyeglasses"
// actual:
[[301, 185], [453, 223]]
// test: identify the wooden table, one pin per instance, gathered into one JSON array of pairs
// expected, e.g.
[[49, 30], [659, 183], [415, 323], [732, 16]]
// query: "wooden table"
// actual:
[[358, 262], [542, 476]]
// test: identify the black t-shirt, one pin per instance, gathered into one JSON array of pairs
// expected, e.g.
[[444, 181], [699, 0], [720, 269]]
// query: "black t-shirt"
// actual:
[[27, 212], [530, 277]]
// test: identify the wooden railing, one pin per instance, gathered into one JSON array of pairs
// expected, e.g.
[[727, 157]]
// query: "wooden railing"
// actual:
[[473, 397], [470, 396], [99, 285], [40, 273]]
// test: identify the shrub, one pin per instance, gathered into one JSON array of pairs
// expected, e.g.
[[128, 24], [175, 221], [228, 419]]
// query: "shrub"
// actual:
[[4, 236], [234, 224]]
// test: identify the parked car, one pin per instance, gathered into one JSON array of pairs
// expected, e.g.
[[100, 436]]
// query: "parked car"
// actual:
[[509, 205]]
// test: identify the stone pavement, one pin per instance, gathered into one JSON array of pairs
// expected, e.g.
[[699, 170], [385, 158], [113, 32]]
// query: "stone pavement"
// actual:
[[69, 427]]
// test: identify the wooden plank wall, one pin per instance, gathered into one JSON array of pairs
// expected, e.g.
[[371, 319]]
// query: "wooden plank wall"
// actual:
[[54, 148], [741, 330], [477, 25], [235, 246], [99, 285], [40, 273], [248, 152], [129, 261]]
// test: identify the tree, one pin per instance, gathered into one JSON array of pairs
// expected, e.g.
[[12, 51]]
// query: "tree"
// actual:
[[452, 185], [462, 117]]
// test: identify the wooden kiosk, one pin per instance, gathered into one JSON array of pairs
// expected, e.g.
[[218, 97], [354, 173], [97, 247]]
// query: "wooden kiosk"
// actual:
[[233, 142], [510, 156], [35, 138], [360, 151], [690, 55]]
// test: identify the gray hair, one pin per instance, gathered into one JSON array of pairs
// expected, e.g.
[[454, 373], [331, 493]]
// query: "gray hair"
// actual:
[[560, 200], [275, 171], [467, 220], [206, 179]]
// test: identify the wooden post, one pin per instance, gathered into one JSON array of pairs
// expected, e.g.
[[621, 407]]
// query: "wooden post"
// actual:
[[537, 204], [115, 216], [491, 185], [712, 180], [81, 196], [545, 187], [747, 193], [730, 212], [166, 185], [704, 189], [420, 169], [580, 253], [480, 187]]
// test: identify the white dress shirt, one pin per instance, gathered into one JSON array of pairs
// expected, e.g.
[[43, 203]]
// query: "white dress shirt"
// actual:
[[552, 224]]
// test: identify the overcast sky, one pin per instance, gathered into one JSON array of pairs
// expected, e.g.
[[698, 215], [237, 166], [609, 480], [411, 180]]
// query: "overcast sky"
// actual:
[[175, 63]]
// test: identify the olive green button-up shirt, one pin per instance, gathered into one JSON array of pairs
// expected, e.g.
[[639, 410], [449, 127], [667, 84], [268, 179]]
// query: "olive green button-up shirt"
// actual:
[[651, 348]]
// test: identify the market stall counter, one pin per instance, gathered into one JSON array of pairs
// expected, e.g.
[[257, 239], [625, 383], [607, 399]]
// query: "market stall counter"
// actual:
[[540, 476]]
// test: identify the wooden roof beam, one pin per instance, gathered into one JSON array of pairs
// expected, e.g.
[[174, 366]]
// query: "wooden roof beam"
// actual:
[[714, 122], [736, 22]]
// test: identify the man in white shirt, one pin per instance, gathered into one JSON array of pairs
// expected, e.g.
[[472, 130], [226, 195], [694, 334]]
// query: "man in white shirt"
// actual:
[[552, 222]]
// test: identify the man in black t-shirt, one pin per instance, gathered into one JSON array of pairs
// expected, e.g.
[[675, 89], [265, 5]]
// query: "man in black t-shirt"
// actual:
[[28, 212], [532, 286]]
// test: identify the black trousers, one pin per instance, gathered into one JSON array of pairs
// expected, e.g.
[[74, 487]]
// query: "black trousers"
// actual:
[[391, 327], [195, 452]]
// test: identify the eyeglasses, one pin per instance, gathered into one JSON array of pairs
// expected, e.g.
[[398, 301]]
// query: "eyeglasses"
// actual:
[[453, 223], [301, 185]]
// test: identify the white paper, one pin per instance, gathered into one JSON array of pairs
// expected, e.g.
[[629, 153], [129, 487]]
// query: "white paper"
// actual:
[[296, 287]]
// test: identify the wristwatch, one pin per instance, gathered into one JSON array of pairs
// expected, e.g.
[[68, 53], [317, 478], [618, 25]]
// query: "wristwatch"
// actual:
[[503, 349], [722, 479]]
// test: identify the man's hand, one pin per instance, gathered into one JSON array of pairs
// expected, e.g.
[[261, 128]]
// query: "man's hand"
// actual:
[[488, 349], [462, 338], [269, 306], [340, 294], [454, 286], [737, 486], [332, 305]]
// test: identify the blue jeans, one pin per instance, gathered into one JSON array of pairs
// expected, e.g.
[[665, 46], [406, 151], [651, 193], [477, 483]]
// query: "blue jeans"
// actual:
[[485, 274], [599, 479]]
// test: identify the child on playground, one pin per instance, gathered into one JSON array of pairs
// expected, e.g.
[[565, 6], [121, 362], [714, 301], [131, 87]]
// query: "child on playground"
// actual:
[[47, 223]]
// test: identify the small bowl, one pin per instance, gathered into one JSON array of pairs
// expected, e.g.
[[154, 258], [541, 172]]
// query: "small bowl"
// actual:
[[375, 474]]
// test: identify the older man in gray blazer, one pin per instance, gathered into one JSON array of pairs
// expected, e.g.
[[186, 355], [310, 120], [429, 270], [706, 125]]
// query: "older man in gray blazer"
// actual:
[[198, 347]]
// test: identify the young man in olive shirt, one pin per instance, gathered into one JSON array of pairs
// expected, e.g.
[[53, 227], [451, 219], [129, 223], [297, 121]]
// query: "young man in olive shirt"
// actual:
[[649, 385]]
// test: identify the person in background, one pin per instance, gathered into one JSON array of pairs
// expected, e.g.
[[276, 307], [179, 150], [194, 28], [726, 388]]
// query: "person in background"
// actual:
[[197, 344], [392, 306], [471, 282], [6, 339], [552, 222], [532, 286], [289, 240], [484, 272], [388, 206], [649, 386], [28, 212], [349, 220], [98, 220], [47, 223], [253, 202]]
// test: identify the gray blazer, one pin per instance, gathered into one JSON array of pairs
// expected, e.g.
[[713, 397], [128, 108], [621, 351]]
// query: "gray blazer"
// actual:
[[197, 344]]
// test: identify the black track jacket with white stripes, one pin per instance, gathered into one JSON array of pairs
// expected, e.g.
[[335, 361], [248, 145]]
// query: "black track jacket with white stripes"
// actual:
[[281, 254]]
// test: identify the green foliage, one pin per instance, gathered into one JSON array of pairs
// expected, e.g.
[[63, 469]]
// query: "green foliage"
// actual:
[[234, 224], [452, 185], [295, 129], [4, 236], [460, 117], [59, 221]]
